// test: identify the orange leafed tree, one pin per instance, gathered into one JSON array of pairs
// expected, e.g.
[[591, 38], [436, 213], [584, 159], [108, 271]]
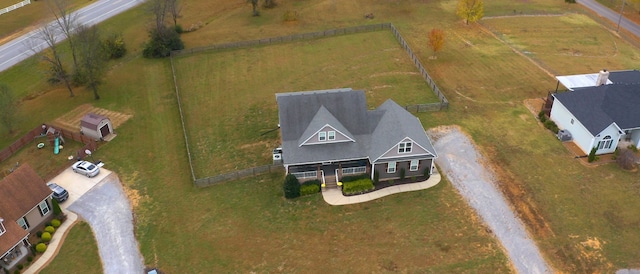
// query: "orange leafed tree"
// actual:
[[436, 40]]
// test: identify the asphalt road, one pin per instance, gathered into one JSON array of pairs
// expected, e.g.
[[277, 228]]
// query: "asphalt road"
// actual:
[[19, 49], [614, 16]]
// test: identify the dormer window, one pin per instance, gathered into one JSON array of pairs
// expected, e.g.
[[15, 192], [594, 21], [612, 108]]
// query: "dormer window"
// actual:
[[404, 147], [322, 136], [2, 229], [332, 135]]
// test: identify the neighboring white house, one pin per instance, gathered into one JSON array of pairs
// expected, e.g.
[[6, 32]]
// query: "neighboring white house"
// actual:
[[600, 116]]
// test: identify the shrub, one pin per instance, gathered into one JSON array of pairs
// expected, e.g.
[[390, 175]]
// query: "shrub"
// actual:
[[162, 43], [633, 148], [551, 125], [542, 116], [352, 178], [309, 189], [402, 173], [426, 172], [46, 236], [114, 46], [178, 28], [291, 187], [39, 234], [20, 266], [359, 186], [55, 223], [592, 155], [56, 207], [41, 247], [29, 259], [626, 160], [49, 229]]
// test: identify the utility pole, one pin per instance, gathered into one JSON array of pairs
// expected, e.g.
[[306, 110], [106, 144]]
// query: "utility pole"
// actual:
[[620, 19]]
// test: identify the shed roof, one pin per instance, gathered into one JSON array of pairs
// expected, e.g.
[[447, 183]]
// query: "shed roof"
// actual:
[[21, 191], [92, 120]]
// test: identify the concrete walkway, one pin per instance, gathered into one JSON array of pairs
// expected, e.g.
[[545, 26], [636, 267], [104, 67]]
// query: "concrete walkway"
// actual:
[[334, 196], [54, 245]]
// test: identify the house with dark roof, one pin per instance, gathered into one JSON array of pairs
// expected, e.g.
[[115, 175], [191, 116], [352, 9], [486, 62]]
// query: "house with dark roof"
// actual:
[[604, 115], [327, 134], [25, 204]]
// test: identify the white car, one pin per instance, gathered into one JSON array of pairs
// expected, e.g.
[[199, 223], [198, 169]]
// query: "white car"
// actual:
[[86, 168]]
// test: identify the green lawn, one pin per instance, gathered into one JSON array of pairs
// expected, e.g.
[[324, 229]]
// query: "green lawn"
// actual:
[[43, 161], [78, 254], [24, 19], [247, 226], [229, 96]]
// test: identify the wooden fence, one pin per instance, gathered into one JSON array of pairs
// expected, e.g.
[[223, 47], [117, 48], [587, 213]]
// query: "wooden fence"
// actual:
[[443, 104], [238, 174], [89, 143]]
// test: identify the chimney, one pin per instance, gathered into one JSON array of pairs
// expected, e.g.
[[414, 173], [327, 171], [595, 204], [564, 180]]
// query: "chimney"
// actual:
[[603, 77]]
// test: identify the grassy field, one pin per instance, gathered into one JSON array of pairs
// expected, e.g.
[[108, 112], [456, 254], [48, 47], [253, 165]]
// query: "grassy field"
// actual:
[[582, 218], [229, 96], [79, 247]]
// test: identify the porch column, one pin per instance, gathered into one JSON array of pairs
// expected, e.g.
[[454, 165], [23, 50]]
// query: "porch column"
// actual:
[[339, 172]]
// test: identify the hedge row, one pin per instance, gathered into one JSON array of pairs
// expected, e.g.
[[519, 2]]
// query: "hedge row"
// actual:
[[352, 178], [310, 187], [358, 186]]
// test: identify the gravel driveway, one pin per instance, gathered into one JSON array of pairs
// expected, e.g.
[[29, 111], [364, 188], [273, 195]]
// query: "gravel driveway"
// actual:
[[458, 159], [106, 208]]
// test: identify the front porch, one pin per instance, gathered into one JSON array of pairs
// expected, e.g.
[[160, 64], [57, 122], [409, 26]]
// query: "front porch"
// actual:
[[15, 256], [329, 174]]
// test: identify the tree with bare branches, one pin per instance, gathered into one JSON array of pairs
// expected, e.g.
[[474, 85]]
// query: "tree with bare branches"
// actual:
[[66, 22], [92, 59], [254, 5], [436, 40], [174, 7], [50, 54]]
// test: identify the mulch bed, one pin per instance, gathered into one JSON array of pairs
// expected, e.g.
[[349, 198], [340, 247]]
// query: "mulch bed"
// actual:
[[388, 183]]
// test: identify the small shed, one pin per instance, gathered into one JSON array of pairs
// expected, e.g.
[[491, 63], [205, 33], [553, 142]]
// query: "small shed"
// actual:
[[96, 126]]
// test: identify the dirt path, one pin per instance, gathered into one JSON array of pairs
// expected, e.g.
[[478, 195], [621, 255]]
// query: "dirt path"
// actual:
[[461, 163]]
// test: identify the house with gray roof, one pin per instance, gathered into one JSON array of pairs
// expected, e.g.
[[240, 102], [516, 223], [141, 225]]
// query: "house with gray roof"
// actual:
[[328, 134], [602, 116]]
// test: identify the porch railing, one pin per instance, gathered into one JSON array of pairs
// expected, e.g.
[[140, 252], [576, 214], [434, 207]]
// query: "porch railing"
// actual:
[[305, 174], [354, 170]]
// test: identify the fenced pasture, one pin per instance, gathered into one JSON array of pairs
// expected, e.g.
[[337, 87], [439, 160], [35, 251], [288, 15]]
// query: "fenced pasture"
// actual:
[[226, 136]]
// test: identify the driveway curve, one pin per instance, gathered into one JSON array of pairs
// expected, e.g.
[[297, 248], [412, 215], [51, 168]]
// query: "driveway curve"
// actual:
[[107, 210], [459, 160]]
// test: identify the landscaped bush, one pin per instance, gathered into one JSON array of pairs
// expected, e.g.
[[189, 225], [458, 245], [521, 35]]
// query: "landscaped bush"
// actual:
[[55, 223], [56, 207], [39, 234], [291, 187], [359, 186], [49, 229], [592, 155], [41, 247], [46, 236], [542, 116], [20, 267], [29, 259], [114, 46], [402, 173], [551, 125], [351, 178], [309, 189]]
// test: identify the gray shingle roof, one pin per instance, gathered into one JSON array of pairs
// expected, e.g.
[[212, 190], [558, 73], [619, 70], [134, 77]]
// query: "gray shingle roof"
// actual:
[[303, 113], [599, 107], [625, 77]]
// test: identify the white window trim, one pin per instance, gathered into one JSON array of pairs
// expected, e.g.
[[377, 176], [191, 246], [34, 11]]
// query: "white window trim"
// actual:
[[42, 209], [406, 147], [331, 135], [322, 136], [391, 167], [2, 229], [413, 167], [23, 224]]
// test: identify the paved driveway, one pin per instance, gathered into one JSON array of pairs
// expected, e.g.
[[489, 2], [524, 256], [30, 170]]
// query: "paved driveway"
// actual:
[[76, 184]]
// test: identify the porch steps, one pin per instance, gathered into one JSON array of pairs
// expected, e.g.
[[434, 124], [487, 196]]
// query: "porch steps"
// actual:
[[330, 182]]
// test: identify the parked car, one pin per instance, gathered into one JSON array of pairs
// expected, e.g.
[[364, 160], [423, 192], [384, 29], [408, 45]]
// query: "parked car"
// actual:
[[59, 193], [86, 168]]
